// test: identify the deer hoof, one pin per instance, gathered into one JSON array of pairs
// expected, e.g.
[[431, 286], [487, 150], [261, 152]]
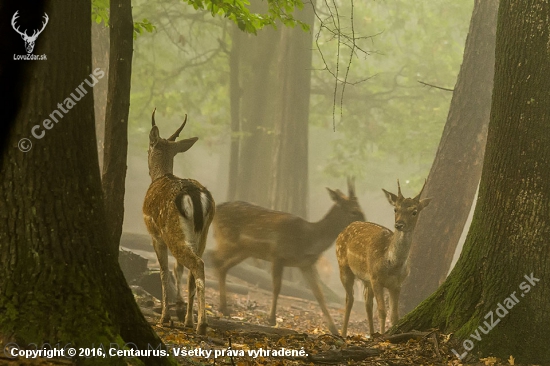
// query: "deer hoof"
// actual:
[[333, 330], [201, 328], [181, 309], [188, 323], [272, 321]]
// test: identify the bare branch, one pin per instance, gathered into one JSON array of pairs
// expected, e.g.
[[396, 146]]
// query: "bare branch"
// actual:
[[435, 86]]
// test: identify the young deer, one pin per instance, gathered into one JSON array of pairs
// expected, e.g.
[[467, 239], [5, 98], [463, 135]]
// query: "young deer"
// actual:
[[177, 213], [378, 257], [244, 230]]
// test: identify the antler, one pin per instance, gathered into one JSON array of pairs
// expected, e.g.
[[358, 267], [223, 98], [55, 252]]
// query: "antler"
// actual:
[[177, 133], [399, 190], [15, 16], [153, 118], [351, 186], [422, 190], [36, 33]]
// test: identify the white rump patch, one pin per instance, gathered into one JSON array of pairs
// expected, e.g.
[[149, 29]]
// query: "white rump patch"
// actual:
[[205, 204]]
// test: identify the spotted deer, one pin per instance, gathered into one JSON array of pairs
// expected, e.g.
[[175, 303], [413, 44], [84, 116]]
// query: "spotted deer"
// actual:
[[177, 213], [378, 257], [243, 230]]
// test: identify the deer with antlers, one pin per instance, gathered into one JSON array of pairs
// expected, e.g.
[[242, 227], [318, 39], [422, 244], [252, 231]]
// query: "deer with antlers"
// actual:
[[177, 213], [29, 40], [245, 230], [379, 257]]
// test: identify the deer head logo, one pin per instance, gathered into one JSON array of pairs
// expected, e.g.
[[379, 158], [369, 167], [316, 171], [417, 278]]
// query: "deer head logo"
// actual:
[[29, 40]]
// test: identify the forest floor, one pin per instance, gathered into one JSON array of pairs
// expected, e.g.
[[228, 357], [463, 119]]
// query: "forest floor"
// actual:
[[300, 327]]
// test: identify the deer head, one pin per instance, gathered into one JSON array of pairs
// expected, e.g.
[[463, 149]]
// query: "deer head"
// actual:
[[348, 206], [162, 151], [29, 40], [406, 209]]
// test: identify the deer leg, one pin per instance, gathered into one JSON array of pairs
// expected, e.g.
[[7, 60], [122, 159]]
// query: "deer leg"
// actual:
[[222, 267], [191, 289], [312, 277], [369, 303], [380, 304], [394, 304], [347, 277], [162, 256], [178, 272], [195, 264], [277, 278]]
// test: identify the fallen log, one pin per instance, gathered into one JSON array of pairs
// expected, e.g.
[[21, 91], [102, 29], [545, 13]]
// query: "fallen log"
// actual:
[[404, 337]]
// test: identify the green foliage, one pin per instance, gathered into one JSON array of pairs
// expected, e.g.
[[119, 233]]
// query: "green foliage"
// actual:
[[239, 12], [100, 13], [144, 25]]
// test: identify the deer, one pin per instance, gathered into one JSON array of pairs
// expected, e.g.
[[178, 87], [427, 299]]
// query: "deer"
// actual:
[[379, 257], [29, 40], [243, 230], [178, 213]]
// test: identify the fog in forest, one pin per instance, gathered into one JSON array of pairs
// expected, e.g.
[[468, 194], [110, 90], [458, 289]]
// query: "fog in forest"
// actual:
[[385, 125]]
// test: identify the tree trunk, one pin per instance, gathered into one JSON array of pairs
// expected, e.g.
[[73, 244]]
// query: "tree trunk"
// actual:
[[455, 173], [270, 117], [257, 71], [100, 58], [116, 118], [235, 98], [59, 283], [507, 244], [288, 187]]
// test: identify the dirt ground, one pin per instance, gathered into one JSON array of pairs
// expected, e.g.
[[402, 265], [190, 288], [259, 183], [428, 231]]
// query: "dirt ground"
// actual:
[[303, 321], [300, 337]]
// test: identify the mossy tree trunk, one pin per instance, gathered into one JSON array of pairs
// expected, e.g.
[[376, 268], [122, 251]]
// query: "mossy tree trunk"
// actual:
[[507, 244], [456, 170], [59, 283]]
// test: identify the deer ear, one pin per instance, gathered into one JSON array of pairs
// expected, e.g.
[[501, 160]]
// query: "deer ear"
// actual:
[[154, 135], [423, 203], [336, 196], [184, 145], [392, 198]]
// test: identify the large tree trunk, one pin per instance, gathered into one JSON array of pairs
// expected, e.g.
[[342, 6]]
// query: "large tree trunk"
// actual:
[[235, 100], [100, 58], [116, 118], [288, 187], [59, 282], [257, 74], [508, 238], [455, 173], [270, 117]]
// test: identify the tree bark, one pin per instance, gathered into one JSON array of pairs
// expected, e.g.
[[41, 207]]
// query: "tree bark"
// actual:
[[270, 117], [58, 281], [235, 97], [257, 71], [116, 118], [100, 58], [508, 239], [288, 187], [455, 173]]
